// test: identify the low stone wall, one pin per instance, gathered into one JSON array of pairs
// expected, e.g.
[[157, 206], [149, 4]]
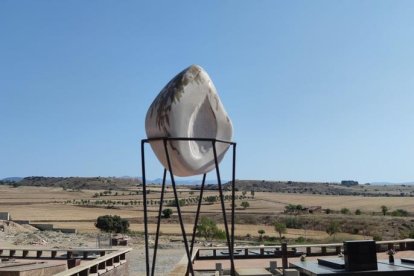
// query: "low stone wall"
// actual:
[[66, 230], [43, 227], [22, 221]]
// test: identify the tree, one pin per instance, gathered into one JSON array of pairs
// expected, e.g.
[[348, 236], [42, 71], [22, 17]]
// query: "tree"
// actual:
[[252, 193], [111, 224], [345, 211], [261, 233], [173, 202], [384, 210], [211, 199], [167, 213], [358, 212], [208, 229], [280, 227], [292, 208], [245, 204], [333, 228]]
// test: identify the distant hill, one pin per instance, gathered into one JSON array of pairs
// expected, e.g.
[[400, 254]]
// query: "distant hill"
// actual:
[[91, 183], [124, 183], [12, 179], [182, 182], [322, 188], [391, 183]]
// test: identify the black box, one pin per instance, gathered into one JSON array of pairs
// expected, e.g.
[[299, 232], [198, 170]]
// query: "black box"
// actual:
[[360, 255]]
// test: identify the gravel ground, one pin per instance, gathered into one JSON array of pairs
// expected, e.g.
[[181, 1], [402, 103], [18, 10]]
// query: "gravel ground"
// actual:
[[167, 258]]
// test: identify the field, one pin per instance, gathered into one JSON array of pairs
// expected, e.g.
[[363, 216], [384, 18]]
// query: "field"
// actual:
[[79, 209]]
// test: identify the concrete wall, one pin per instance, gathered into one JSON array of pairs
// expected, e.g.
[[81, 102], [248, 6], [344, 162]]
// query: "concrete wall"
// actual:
[[43, 227], [66, 230], [22, 221], [4, 216], [49, 227]]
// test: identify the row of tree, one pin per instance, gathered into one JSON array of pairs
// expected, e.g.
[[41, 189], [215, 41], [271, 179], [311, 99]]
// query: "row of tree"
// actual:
[[168, 202]]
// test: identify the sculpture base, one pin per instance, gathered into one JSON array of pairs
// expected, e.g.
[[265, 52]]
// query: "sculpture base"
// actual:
[[188, 247]]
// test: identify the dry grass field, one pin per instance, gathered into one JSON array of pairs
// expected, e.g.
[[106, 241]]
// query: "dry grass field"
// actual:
[[369, 204], [54, 205]]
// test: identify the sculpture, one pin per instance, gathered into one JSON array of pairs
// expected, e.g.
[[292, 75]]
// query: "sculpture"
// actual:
[[189, 107]]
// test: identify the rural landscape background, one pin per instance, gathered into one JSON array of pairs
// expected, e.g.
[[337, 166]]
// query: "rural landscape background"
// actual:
[[76, 202], [267, 212]]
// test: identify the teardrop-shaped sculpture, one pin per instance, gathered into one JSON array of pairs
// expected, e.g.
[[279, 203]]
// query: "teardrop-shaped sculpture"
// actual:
[[189, 106]]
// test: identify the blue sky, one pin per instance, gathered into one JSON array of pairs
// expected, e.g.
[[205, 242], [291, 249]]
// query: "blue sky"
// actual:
[[316, 90]]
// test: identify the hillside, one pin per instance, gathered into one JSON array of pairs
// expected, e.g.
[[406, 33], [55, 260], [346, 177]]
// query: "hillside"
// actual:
[[316, 188], [90, 183], [323, 188]]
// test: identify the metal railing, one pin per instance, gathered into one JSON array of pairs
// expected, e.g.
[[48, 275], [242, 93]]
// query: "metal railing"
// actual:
[[285, 251]]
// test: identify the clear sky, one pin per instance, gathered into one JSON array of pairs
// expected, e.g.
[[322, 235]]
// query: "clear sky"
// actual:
[[316, 90]]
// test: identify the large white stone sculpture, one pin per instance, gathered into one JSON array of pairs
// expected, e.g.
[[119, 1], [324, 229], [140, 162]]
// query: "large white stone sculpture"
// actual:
[[189, 106]]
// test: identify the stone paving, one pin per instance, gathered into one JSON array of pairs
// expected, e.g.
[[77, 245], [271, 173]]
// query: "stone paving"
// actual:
[[209, 265]]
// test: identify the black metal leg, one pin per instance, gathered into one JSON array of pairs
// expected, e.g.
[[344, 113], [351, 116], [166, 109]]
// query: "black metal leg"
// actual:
[[189, 251], [154, 257], [223, 208], [144, 197], [197, 216], [178, 208], [233, 196]]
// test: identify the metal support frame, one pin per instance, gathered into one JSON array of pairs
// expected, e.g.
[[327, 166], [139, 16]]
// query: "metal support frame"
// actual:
[[188, 249]]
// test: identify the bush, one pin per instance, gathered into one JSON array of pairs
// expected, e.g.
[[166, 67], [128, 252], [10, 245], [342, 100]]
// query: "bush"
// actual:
[[173, 202], [245, 204], [300, 239], [220, 234], [399, 213], [167, 213], [292, 208], [333, 228], [384, 210], [358, 212], [208, 229], [293, 222], [377, 238], [345, 211], [111, 224]]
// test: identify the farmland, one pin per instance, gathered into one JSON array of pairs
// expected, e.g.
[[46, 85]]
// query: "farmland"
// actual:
[[79, 208]]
